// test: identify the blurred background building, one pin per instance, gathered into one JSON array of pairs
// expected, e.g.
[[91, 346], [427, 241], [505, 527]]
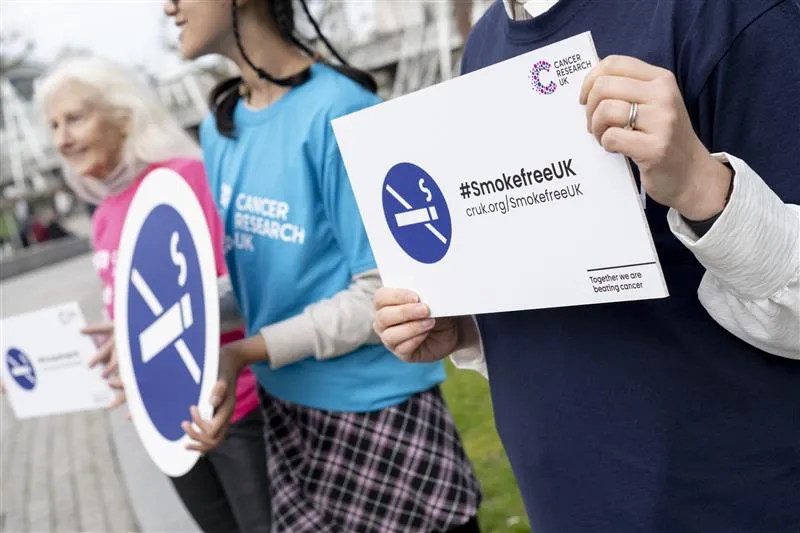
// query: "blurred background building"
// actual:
[[407, 45]]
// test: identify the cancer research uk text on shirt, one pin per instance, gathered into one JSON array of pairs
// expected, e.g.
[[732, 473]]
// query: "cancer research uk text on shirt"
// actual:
[[486, 193]]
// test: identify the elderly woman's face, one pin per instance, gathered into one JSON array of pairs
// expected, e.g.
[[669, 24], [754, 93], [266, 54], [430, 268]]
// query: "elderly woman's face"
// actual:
[[85, 133]]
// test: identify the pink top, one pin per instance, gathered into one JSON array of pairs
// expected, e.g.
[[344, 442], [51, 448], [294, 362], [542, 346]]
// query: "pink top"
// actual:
[[107, 223]]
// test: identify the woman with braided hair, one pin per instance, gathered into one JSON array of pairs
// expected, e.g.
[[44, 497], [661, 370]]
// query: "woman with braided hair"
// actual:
[[357, 441]]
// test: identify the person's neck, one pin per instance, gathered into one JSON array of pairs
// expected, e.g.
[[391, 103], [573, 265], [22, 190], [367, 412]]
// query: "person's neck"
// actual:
[[269, 52]]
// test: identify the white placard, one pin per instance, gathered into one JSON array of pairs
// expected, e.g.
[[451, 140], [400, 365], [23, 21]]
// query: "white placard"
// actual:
[[45, 363], [486, 193], [166, 316]]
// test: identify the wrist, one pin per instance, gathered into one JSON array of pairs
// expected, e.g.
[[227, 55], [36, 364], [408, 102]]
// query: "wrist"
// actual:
[[709, 193], [247, 351]]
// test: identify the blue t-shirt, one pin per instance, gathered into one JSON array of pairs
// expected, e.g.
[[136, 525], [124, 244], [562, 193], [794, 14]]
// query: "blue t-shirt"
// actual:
[[294, 237], [645, 417]]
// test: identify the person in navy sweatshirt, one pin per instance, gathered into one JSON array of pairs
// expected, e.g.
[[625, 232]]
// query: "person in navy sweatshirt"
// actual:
[[662, 416]]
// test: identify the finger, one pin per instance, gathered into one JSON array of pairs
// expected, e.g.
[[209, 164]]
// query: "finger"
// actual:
[[97, 329], [400, 314], [397, 335], [199, 421], [218, 393], [102, 354], [615, 65], [120, 399], [199, 448], [406, 349], [634, 144], [197, 436], [115, 382], [615, 114], [216, 426], [387, 297], [112, 366], [615, 88]]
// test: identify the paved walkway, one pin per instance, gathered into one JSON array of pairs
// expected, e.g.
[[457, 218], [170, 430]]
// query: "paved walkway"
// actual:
[[84, 472]]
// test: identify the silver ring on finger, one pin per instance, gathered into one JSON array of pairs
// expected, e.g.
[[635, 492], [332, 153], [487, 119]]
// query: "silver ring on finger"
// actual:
[[632, 116]]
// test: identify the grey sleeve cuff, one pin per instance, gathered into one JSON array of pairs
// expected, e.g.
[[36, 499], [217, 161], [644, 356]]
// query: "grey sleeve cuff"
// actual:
[[328, 328]]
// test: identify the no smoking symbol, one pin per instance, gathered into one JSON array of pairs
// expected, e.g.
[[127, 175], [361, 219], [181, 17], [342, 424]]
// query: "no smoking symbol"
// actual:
[[417, 213]]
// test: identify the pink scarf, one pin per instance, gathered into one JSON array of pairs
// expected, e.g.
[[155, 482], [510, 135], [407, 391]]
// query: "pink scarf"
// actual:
[[95, 190]]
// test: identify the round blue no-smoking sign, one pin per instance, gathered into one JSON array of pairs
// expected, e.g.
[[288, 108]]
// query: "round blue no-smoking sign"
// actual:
[[21, 369], [166, 315], [417, 213]]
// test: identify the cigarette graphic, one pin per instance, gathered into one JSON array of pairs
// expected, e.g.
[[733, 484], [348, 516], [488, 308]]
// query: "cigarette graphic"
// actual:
[[417, 216], [166, 329], [18, 370], [168, 326], [424, 215]]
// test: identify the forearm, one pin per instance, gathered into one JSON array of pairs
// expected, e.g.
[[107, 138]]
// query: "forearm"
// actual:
[[328, 328], [752, 260], [230, 315]]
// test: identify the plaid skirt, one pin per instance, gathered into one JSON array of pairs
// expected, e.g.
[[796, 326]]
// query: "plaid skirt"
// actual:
[[399, 470]]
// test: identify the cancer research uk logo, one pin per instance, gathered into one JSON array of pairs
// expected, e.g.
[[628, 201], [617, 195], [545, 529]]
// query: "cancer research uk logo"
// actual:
[[562, 70], [536, 79], [417, 213]]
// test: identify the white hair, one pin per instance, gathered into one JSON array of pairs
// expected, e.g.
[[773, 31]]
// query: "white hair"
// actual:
[[153, 134]]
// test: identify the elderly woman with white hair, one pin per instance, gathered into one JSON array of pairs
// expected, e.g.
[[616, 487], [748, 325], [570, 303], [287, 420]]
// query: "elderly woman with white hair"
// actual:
[[112, 130]]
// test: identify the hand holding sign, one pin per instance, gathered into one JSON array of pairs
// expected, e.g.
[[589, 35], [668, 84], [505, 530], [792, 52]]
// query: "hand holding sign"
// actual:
[[107, 356], [405, 327], [676, 168], [209, 434], [106, 353]]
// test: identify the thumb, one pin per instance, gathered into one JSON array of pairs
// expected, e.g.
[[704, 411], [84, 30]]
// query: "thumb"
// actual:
[[218, 393]]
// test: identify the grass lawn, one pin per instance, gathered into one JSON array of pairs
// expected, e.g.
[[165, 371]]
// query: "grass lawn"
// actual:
[[467, 395]]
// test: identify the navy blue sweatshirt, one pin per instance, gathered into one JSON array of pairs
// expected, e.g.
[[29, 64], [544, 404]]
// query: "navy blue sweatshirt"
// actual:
[[648, 416]]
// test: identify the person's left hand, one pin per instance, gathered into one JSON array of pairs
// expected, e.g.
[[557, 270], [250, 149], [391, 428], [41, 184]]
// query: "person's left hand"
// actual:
[[676, 170], [208, 434]]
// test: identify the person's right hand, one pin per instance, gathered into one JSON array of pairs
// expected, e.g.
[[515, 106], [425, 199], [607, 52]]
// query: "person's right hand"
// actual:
[[107, 352], [406, 329], [107, 356]]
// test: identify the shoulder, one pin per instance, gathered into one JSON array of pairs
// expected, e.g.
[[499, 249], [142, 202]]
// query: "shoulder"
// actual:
[[208, 131], [709, 31], [336, 95], [488, 26], [716, 24]]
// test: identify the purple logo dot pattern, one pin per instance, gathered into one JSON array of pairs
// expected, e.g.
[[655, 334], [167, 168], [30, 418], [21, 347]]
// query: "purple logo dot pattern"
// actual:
[[536, 83]]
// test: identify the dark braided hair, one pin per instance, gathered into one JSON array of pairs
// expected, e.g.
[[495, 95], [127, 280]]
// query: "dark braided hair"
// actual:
[[225, 95]]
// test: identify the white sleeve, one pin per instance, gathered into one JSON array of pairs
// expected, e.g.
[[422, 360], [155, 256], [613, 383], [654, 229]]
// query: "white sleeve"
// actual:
[[469, 352], [328, 328], [752, 259]]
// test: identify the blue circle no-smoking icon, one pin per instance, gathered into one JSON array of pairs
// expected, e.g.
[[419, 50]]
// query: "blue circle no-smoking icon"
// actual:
[[417, 213], [166, 319], [21, 369]]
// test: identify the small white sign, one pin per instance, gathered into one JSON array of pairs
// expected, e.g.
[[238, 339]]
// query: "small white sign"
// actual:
[[45, 363], [486, 193]]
